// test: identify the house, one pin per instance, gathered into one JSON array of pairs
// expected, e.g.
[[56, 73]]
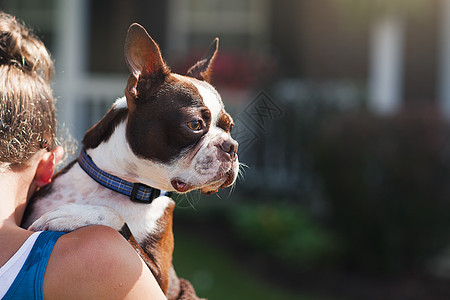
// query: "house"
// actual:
[[395, 51]]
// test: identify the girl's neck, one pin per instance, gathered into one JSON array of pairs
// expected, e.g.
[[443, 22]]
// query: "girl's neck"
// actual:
[[14, 186]]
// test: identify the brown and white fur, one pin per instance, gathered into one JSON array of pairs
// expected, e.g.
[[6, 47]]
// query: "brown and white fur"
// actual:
[[170, 132]]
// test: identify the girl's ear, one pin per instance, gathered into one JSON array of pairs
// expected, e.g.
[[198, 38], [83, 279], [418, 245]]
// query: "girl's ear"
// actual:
[[47, 166]]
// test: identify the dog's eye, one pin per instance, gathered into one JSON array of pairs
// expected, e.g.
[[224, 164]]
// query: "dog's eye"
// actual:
[[194, 125]]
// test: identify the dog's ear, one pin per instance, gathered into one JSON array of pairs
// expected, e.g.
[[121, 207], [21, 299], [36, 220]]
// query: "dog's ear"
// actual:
[[145, 62], [202, 69], [142, 54]]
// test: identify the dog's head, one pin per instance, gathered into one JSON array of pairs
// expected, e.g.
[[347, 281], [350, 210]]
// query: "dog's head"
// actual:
[[176, 126]]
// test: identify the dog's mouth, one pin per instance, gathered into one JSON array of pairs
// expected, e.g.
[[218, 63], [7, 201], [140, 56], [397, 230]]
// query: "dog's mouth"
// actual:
[[180, 186], [219, 184], [229, 179], [212, 187]]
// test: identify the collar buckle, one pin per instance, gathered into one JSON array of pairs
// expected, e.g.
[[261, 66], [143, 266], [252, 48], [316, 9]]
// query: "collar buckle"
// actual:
[[154, 193]]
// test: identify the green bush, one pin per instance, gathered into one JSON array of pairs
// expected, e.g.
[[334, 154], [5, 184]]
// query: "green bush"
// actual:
[[284, 232]]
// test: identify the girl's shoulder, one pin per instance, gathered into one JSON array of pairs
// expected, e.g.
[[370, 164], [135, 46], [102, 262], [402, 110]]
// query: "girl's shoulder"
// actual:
[[96, 262]]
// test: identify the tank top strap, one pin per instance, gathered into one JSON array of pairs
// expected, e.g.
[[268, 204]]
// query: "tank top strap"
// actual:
[[28, 283]]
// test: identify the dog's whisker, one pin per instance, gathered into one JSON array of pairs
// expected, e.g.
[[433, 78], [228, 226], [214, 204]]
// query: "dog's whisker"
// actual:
[[240, 175], [192, 201], [232, 187], [243, 165], [198, 197], [241, 172], [186, 198]]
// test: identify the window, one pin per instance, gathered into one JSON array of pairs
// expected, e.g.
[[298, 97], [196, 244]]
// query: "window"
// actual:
[[241, 24]]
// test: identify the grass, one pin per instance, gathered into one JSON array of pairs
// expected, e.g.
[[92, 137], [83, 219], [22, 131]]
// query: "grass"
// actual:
[[216, 276]]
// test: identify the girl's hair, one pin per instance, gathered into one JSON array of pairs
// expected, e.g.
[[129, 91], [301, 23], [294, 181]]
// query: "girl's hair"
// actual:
[[27, 110]]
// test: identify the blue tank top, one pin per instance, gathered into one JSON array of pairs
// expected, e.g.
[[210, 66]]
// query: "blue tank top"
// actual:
[[28, 283]]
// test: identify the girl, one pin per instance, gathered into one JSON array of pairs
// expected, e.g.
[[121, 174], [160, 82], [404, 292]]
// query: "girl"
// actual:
[[89, 263]]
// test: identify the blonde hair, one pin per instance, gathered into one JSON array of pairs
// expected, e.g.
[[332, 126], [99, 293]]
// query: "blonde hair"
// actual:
[[27, 111]]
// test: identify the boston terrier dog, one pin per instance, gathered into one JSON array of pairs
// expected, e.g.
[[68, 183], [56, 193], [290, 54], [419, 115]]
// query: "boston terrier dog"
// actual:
[[170, 133]]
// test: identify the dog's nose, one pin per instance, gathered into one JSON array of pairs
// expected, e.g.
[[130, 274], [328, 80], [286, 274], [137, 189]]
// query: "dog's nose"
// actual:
[[230, 147]]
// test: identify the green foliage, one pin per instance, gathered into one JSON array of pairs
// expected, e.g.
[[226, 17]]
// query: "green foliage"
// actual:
[[285, 232], [216, 275]]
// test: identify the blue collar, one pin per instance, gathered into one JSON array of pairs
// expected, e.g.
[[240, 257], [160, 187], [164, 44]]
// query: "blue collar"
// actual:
[[137, 192]]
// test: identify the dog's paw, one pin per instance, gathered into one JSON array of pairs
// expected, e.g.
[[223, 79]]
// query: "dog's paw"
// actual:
[[72, 216]]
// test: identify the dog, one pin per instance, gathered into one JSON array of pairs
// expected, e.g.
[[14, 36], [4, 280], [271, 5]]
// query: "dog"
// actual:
[[169, 133]]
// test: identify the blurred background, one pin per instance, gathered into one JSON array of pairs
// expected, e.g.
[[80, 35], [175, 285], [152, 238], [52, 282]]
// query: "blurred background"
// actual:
[[342, 112]]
